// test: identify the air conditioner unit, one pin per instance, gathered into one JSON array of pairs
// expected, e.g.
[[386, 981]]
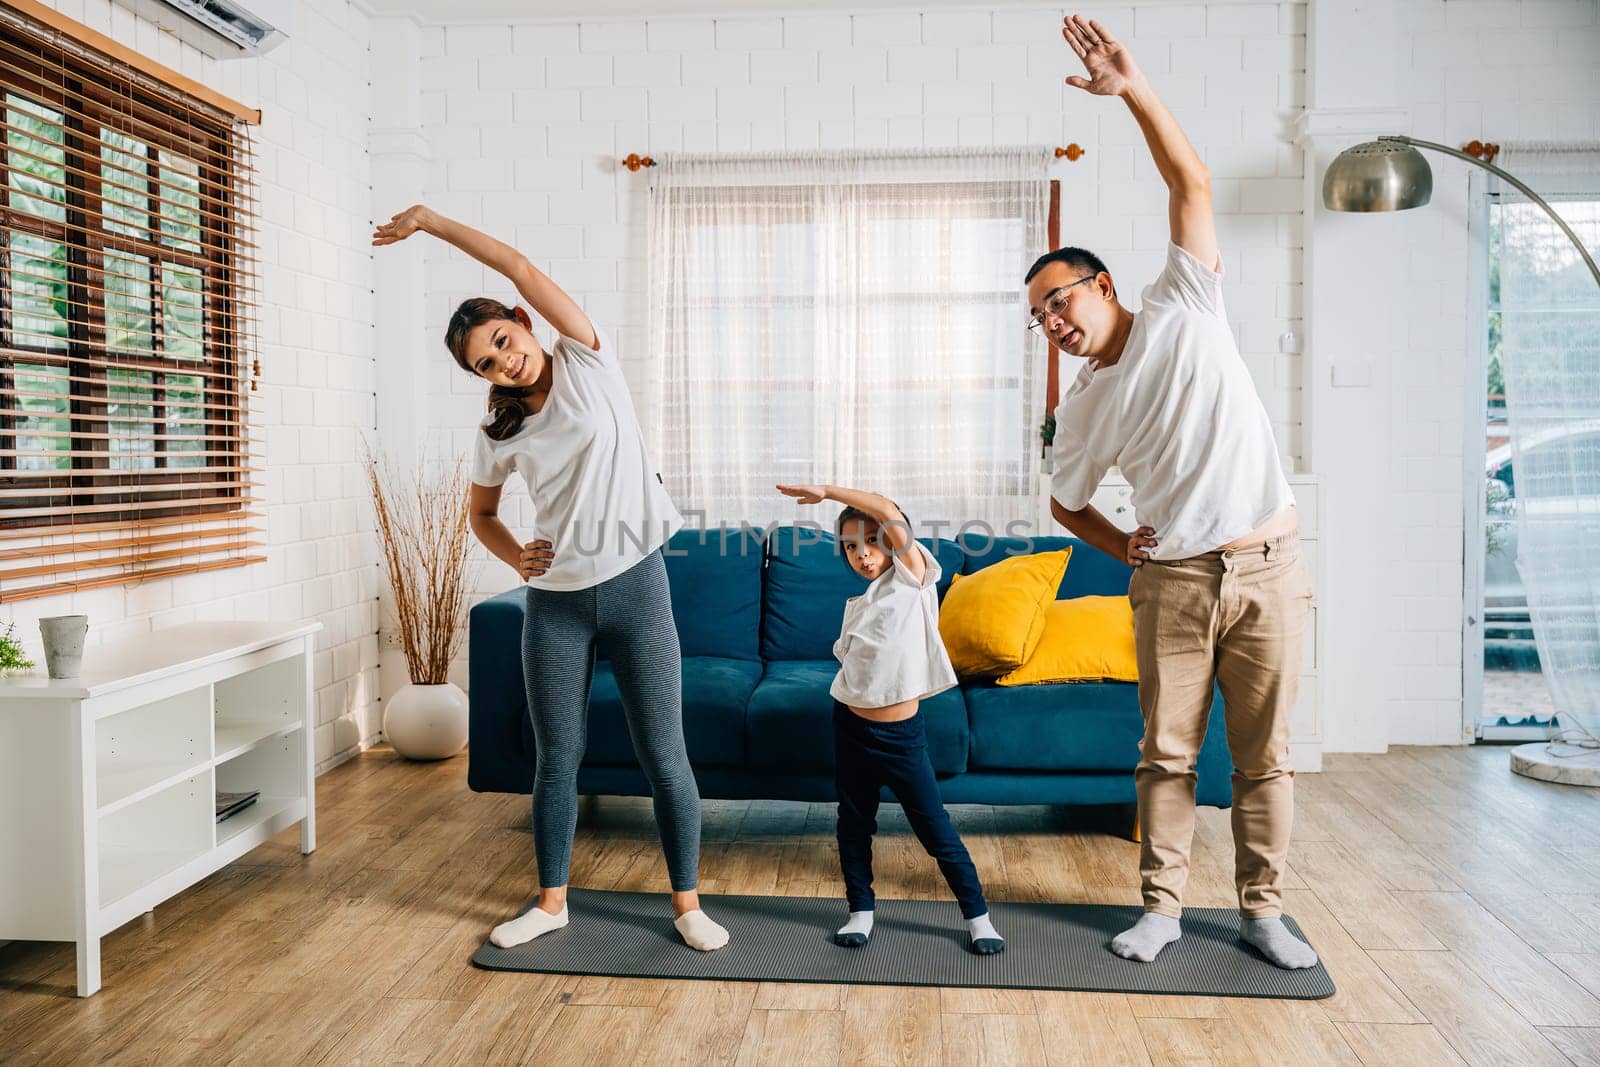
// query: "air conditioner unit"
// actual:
[[224, 29]]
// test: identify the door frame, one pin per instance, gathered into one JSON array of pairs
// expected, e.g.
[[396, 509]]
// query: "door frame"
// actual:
[[1473, 451]]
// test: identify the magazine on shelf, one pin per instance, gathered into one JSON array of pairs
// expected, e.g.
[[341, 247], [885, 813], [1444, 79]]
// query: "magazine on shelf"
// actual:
[[233, 803]]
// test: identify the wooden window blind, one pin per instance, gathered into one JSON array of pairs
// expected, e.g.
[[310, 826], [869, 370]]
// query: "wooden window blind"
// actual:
[[127, 293]]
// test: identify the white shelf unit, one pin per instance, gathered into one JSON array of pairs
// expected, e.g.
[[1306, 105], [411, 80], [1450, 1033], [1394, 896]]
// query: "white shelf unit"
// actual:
[[108, 782]]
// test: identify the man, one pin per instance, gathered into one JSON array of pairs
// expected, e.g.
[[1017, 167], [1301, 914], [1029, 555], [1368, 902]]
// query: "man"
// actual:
[[1220, 593]]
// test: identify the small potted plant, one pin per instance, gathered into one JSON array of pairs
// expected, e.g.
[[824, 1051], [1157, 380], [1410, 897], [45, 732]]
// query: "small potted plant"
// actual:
[[422, 520], [12, 659], [1047, 436]]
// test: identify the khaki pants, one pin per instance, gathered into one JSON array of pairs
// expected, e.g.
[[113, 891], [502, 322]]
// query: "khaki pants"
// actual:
[[1237, 618]]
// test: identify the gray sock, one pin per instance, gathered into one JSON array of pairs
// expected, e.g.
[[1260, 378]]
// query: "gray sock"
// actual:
[[1275, 942], [1145, 939]]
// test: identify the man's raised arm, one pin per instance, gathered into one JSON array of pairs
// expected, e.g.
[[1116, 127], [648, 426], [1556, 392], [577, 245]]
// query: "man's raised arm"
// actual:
[[1112, 72]]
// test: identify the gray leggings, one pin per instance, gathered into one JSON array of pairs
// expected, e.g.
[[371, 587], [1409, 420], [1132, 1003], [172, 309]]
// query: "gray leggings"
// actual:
[[630, 616]]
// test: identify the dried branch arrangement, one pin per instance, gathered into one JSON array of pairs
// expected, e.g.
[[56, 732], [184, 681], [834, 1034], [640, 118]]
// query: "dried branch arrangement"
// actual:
[[423, 524]]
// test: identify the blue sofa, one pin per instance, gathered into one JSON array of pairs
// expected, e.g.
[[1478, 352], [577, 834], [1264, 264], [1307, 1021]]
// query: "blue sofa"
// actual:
[[756, 620]]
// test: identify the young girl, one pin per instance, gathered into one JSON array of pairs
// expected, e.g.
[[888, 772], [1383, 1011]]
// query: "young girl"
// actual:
[[564, 421], [890, 657]]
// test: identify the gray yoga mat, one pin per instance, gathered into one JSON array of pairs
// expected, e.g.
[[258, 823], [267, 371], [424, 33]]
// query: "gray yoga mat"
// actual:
[[914, 942]]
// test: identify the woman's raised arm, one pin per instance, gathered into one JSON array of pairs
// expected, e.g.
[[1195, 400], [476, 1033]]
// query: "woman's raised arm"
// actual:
[[548, 300]]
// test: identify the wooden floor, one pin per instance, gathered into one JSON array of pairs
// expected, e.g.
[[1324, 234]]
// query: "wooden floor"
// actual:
[[1457, 908]]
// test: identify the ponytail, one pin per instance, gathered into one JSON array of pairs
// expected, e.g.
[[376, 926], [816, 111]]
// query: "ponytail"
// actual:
[[505, 405]]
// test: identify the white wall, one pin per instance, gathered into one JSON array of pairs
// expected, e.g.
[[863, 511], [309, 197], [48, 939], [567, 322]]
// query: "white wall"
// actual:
[[525, 124], [1496, 71], [318, 374], [1391, 292]]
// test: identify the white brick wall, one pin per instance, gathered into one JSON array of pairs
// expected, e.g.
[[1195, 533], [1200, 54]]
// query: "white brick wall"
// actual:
[[526, 123], [836, 80], [1236, 76], [1496, 70], [318, 375]]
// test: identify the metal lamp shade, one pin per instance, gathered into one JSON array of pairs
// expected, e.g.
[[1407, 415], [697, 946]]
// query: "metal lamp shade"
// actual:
[[1377, 176]]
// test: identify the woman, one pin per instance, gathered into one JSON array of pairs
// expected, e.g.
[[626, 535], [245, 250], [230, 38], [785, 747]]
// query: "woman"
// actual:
[[565, 422]]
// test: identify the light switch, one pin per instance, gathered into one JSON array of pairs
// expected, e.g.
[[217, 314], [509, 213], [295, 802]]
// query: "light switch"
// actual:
[[1354, 373]]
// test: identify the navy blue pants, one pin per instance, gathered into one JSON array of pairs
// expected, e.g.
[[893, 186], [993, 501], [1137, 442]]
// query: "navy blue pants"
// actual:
[[870, 755]]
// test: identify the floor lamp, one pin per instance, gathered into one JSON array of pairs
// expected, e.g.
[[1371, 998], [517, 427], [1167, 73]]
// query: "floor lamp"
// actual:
[[1389, 174]]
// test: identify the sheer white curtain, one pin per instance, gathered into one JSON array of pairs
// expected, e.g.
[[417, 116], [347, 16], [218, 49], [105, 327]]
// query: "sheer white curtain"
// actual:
[[848, 317], [1550, 321]]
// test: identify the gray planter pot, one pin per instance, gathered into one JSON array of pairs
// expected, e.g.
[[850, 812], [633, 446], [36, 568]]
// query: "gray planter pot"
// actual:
[[63, 644]]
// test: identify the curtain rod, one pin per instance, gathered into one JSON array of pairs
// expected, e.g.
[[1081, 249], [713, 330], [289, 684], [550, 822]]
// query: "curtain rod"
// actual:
[[633, 161], [1553, 147], [1488, 150]]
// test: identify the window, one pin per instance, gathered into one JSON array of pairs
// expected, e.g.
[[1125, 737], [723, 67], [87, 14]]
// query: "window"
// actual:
[[1531, 578], [126, 266], [848, 318]]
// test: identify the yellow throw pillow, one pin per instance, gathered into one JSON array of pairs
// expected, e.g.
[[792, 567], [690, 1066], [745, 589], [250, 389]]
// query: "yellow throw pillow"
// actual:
[[991, 620], [1086, 639]]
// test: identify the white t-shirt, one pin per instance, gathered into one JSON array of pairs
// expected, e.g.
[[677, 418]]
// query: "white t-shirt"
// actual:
[[596, 494], [1179, 415], [889, 649]]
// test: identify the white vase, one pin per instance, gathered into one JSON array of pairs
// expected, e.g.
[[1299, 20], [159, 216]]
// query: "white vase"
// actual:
[[425, 722]]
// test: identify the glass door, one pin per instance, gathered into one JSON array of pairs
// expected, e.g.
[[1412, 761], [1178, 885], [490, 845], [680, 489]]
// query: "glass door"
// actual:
[[1506, 697]]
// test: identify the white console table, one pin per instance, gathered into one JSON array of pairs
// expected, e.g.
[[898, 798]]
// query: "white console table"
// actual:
[[108, 781]]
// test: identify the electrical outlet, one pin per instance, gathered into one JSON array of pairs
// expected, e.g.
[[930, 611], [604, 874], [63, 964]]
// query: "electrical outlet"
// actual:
[[389, 639]]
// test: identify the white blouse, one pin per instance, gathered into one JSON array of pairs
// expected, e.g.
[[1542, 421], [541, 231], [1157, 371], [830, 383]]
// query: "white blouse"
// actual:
[[889, 649]]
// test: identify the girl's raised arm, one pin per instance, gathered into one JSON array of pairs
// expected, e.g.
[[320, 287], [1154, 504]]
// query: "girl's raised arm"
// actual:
[[894, 531], [547, 299]]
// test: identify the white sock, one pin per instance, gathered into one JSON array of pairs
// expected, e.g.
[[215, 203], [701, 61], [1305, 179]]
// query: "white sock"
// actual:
[[985, 940], [1277, 943], [698, 930], [1145, 939], [527, 926], [854, 933]]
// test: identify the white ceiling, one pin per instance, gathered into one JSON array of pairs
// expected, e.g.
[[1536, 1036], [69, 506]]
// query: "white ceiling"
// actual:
[[519, 10]]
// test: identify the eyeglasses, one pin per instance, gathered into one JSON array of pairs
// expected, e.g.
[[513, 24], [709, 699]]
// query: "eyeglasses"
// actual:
[[1056, 303]]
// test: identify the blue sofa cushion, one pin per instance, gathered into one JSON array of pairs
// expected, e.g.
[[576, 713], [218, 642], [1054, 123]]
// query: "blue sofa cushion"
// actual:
[[716, 692], [790, 723], [1089, 726], [1085, 726], [1090, 572], [715, 578], [807, 585]]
